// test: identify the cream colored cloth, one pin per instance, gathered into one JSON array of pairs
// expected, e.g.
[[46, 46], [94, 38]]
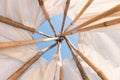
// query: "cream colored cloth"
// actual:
[[101, 46]]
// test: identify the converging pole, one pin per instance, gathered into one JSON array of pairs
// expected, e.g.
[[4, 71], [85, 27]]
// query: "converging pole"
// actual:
[[22, 43], [22, 69], [60, 61], [79, 15], [65, 14], [97, 70], [41, 3], [79, 65], [94, 19], [22, 26], [100, 25]]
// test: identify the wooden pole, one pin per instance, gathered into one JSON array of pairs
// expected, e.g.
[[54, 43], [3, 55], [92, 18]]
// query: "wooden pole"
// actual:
[[61, 73], [65, 14], [19, 25], [100, 25], [79, 14], [79, 65], [22, 69], [54, 78], [98, 17], [60, 61], [58, 50], [42, 33], [22, 43], [96, 69], [41, 3]]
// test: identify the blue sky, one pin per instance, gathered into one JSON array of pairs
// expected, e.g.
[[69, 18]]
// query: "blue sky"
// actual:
[[57, 22]]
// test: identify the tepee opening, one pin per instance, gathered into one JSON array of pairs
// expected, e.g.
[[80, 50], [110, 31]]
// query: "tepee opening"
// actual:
[[95, 56], [45, 27]]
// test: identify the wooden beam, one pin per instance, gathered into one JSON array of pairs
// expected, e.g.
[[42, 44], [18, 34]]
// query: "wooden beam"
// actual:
[[58, 50], [42, 33], [79, 14], [65, 14], [22, 43], [96, 69], [54, 78], [100, 25], [41, 3], [19, 25], [22, 69], [79, 65], [61, 73], [98, 17], [60, 61]]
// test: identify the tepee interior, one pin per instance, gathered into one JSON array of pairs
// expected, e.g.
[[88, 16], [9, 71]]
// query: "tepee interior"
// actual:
[[95, 58]]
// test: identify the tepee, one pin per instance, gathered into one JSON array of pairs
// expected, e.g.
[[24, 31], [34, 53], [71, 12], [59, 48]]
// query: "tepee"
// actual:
[[96, 57]]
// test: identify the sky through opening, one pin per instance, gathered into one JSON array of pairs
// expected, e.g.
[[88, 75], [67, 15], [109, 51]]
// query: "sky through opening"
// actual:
[[45, 27]]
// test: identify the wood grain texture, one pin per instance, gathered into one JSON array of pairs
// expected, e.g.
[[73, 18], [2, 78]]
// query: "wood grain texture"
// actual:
[[23, 43], [98, 17], [100, 25], [96, 69], [22, 26], [41, 3], [65, 14], [79, 14], [22, 69], [79, 65]]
